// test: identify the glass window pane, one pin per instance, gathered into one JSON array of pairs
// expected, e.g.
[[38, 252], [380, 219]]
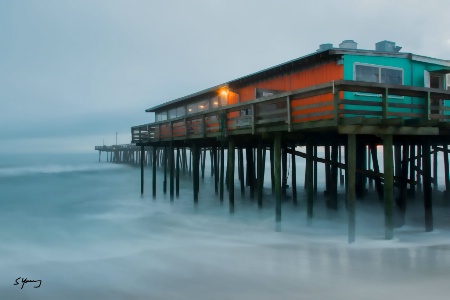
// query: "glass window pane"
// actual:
[[172, 113], [366, 73], [215, 102], [161, 116], [192, 108], [391, 76], [203, 105], [181, 111], [223, 100]]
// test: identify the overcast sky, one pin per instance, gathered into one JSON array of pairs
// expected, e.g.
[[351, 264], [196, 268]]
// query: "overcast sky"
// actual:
[[73, 73]]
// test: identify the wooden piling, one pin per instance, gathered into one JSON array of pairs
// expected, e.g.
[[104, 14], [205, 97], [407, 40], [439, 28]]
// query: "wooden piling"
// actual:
[[177, 175], [388, 187], [446, 170], [427, 191], [294, 177], [142, 170], [327, 170], [315, 169], [332, 202], [171, 171], [435, 168], [154, 171], [284, 169], [216, 170], [376, 169], [241, 170], [351, 187], [165, 170], [260, 175], [309, 179], [341, 175], [222, 166], [277, 175], [412, 172], [230, 166], [203, 163], [419, 166], [250, 171], [195, 170], [401, 203], [272, 171]]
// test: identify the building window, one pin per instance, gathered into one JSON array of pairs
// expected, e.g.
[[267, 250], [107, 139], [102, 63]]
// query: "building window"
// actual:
[[192, 108], [215, 102], [378, 74], [161, 116], [203, 105], [173, 113], [181, 111]]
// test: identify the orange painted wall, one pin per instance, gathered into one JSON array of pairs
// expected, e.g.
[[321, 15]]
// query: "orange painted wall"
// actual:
[[304, 78]]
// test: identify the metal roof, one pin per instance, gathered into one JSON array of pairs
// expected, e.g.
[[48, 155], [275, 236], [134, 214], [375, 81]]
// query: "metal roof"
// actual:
[[295, 64]]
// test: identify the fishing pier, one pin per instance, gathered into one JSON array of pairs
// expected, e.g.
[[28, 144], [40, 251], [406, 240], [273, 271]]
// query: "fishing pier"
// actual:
[[350, 103]]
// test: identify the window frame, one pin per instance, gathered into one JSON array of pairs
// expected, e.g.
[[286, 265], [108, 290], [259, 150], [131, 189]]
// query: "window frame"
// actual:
[[379, 77]]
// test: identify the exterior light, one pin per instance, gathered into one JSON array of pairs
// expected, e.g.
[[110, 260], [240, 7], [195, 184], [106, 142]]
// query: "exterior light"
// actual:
[[224, 91]]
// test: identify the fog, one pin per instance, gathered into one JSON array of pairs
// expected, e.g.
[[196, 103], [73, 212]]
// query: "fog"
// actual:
[[83, 228]]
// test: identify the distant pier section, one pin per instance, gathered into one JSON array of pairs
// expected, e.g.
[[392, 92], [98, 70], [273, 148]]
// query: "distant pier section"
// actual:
[[125, 153]]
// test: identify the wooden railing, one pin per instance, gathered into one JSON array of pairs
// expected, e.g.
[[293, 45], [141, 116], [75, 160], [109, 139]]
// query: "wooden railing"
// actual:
[[333, 101]]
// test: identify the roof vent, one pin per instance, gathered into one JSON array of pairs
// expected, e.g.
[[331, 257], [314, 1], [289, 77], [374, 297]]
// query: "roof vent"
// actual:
[[348, 44], [387, 46], [324, 47]]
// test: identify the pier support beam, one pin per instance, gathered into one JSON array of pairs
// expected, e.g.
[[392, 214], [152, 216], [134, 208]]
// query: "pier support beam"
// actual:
[[388, 187], [277, 175], [332, 201], [284, 169], [154, 172], [177, 174], [376, 169], [142, 169], [230, 167], [446, 171], [351, 188], [427, 192], [315, 169], [309, 180], [272, 171], [241, 171], [171, 171], [294, 177], [195, 170], [260, 171], [165, 170], [222, 167], [412, 164], [401, 202], [250, 171], [216, 171]]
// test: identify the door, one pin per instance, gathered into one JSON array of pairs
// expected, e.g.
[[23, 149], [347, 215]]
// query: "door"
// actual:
[[435, 81]]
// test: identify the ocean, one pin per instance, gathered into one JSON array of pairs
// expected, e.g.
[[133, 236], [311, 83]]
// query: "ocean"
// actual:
[[76, 228]]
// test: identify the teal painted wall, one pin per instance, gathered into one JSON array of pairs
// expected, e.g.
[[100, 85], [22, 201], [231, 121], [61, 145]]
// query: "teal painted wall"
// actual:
[[413, 74]]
